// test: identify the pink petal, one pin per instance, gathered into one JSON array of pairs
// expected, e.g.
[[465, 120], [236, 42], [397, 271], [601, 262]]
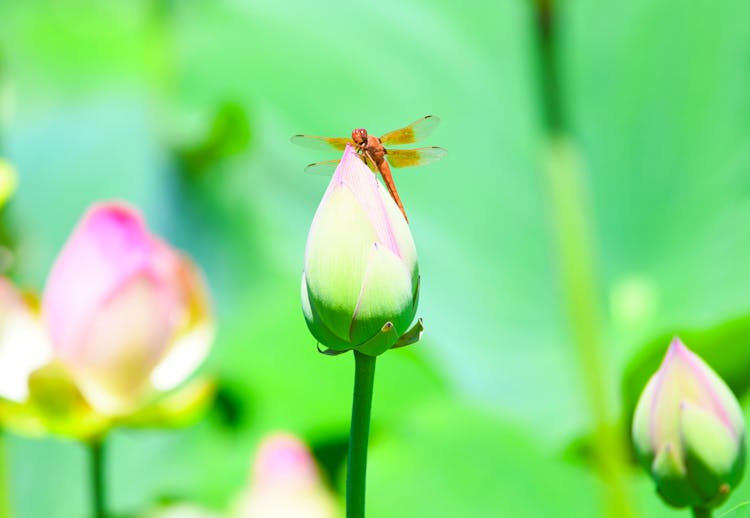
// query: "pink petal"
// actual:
[[124, 341], [684, 378], [356, 176], [108, 247]]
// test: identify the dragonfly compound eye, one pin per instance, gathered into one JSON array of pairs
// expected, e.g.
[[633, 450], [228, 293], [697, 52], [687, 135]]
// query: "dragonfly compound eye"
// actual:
[[359, 136]]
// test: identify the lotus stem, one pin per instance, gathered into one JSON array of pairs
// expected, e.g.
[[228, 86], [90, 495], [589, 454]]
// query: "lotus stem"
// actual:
[[98, 478], [364, 377]]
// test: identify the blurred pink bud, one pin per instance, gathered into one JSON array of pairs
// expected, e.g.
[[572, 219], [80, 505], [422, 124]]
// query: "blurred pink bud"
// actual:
[[284, 458], [126, 312], [24, 346], [689, 431], [286, 483]]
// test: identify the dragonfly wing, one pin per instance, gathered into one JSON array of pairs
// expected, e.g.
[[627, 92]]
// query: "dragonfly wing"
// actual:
[[322, 143], [325, 168], [415, 131], [414, 157]]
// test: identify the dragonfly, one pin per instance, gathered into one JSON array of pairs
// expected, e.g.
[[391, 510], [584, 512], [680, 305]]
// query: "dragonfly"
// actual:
[[376, 155]]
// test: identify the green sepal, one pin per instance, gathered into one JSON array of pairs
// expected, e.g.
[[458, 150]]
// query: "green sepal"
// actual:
[[381, 342], [332, 352], [412, 336], [672, 484]]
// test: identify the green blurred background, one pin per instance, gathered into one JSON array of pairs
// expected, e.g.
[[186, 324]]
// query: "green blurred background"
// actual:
[[185, 108]]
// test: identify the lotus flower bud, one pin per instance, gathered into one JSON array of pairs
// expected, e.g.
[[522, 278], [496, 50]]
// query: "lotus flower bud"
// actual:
[[127, 314], [286, 483], [688, 431], [360, 281]]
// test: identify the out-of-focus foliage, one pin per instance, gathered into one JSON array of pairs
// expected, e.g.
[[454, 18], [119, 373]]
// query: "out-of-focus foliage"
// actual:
[[738, 511], [185, 109]]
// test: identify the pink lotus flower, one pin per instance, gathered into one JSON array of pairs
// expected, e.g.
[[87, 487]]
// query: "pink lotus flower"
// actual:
[[127, 314]]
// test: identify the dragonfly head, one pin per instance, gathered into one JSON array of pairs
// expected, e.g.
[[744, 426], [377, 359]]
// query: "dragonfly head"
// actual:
[[359, 136]]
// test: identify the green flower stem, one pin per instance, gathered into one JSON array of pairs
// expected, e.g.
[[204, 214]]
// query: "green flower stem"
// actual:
[[580, 289], [700, 512], [364, 377], [5, 511], [98, 478]]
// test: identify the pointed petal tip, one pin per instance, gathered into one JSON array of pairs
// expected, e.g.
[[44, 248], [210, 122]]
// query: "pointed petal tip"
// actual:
[[349, 154], [677, 350], [349, 159], [113, 209], [677, 346]]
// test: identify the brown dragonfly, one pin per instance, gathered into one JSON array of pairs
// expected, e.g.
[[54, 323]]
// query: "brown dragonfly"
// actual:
[[374, 153]]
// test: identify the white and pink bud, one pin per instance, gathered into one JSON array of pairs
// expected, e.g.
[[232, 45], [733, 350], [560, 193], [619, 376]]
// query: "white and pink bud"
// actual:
[[689, 432], [360, 283]]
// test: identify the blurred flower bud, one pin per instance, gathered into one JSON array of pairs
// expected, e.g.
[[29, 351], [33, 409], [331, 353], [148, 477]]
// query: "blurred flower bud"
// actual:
[[688, 431], [286, 483], [360, 283], [127, 314], [7, 181], [23, 343]]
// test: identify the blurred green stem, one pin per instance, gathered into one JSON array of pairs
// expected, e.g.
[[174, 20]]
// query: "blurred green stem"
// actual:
[[4, 497], [364, 377], [162, 59], [569, 216], [699, 512], [98, 478], [569, 213]]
